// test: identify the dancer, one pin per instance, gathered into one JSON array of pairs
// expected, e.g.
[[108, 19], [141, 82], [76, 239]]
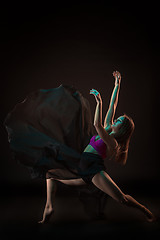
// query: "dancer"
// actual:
[[51, 133], [113, 142]]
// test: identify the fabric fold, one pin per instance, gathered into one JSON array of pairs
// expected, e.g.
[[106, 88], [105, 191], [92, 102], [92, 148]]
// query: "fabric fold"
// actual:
[[49, 131]]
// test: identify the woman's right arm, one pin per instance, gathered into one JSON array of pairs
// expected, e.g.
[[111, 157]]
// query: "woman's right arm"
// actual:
[[114, 101], [109, 140]]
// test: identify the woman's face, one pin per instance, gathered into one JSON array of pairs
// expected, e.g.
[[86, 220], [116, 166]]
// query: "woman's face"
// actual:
[[117, 124]]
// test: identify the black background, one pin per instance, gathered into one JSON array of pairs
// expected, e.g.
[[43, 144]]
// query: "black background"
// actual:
[[82, 44]]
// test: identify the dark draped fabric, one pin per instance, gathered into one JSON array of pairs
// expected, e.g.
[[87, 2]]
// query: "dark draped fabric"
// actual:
[[49, 130]]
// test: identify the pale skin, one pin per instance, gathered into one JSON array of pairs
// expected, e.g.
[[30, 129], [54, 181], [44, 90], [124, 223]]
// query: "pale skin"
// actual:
[[101, 180]]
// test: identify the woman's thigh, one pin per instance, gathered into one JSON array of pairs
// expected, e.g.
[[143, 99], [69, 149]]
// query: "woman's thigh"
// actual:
[[104, 182], [73, 182]]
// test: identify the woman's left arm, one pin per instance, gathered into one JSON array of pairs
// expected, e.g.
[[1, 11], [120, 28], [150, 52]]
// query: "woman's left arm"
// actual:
[[113, 102]]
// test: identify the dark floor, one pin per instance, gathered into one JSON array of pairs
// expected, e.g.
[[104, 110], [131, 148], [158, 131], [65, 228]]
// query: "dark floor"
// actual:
[[22, 207]]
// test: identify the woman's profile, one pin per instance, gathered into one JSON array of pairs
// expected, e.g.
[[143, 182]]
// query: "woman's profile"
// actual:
[[52, 134]]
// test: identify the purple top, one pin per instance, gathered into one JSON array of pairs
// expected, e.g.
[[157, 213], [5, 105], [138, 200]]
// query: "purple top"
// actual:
[[99, 146]]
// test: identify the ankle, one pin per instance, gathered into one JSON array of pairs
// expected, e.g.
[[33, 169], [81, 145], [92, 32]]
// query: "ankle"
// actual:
[[49, 207]]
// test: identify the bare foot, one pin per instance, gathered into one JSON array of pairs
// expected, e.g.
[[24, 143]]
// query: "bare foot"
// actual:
[[48, 212], [149, 216]]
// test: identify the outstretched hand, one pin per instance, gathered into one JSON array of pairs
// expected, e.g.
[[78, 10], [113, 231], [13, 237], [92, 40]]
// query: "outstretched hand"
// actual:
[[96, 95], [117, 77]]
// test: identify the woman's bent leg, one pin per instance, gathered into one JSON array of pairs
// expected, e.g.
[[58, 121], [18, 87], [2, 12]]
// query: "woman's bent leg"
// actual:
[[51, 190], [104, 182]]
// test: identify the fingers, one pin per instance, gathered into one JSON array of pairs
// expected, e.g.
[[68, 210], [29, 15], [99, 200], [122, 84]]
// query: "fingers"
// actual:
[[116, 74], [94, 92]]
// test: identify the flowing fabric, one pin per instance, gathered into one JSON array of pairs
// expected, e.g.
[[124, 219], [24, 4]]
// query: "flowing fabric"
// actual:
[[49, 130], [90, 165]]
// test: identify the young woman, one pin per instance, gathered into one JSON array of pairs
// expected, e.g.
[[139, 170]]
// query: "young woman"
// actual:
[[51, 133], [112, 142]]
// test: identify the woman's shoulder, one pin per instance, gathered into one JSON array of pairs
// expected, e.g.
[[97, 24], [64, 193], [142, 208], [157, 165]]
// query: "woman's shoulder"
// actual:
[[112, 151]]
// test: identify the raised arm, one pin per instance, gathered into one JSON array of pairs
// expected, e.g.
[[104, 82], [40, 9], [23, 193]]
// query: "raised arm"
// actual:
[[109, 140], [98, 111], [113, 102]]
